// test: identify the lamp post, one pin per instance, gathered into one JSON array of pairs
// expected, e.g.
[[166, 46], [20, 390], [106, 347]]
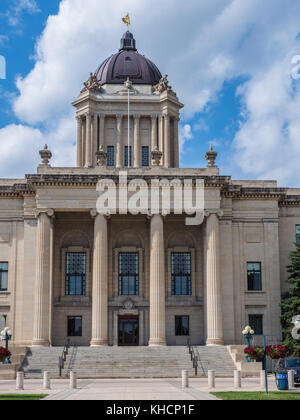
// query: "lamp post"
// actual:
[[6, 336], [248, 335]]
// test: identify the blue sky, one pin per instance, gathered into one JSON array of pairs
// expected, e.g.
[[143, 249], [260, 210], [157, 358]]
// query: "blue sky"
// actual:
[[230, 62]]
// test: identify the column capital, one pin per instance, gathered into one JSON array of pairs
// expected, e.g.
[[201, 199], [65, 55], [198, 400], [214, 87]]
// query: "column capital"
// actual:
[[217, 212], [49, 212], [79, 118], [137, 116], [94, 213], [166, 116], [102, 115], [154, 117], [119, 117]]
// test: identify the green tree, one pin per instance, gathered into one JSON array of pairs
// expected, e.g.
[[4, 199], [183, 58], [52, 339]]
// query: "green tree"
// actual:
[[291, 304]]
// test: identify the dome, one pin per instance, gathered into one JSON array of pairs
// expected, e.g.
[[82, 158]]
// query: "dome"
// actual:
[[128, 63]]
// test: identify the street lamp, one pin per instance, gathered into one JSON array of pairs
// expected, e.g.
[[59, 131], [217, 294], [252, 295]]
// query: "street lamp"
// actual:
[[248, 335], [6, 336]]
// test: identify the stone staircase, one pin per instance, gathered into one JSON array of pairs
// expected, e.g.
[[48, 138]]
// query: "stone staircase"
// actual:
[[127, 362]]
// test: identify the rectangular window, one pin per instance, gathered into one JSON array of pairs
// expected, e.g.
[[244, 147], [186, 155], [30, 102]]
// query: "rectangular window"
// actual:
[[254, 277], [182, 325], [111, 156], [128, 274], [256, 323], [75, 273], [298, 234], [3, 276], [145, 156], [181, 274], [74, 326], [126, 156]]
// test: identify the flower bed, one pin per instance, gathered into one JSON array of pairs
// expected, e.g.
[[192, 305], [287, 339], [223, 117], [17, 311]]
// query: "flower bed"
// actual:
[[276, 352], [255, 353], [4, 353]]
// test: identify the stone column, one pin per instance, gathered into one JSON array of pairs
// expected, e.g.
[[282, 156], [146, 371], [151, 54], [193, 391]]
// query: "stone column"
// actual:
[[41, 323], [79, 141], [88, 144], [119, 163], [167, 159], [94, 139], [157, 283], [137, 142], [214, 314], [100, 283], [102, 130], [176, 143], [161, 138], [154, 132]]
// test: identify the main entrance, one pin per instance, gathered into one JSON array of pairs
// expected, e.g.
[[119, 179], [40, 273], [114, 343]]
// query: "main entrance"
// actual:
[[128, 331]]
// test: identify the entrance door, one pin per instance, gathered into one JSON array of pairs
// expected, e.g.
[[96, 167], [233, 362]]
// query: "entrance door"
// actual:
[[128, 332]]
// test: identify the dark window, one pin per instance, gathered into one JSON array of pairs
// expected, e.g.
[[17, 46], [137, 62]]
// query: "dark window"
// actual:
[[74, 326], [3, 277], [128, 274], [181, 274], [75, 274], [254, 276], [298, 234], [182, 325], [145, 156], [256, 323], [111, 156], [126, 156]]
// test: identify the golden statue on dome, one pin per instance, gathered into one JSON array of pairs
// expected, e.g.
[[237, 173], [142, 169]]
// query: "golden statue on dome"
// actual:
[[126, 20]]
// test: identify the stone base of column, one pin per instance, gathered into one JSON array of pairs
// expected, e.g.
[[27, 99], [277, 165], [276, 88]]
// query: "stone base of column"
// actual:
[[99, 343], [214, 342], [40, 343], [157, 343]]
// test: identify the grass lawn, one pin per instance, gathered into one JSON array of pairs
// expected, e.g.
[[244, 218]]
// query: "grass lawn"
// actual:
[[257, 396], [15, 397]]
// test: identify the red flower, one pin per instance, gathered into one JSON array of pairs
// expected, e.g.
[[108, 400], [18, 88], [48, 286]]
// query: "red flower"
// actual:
[[4, 352]]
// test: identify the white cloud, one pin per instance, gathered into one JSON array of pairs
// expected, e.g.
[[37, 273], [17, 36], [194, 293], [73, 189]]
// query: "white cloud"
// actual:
[[185, 134], [200, 46], [17, 8]]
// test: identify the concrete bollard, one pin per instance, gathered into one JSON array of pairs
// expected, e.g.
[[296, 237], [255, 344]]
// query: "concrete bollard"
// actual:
[[211, 379], [73, 380], [185, 379], [237, 379], [46, 381], [262, 380], [20, 381], [291, 374]]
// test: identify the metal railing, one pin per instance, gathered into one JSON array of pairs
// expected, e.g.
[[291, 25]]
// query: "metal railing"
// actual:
[[195, 358], [62, 359]]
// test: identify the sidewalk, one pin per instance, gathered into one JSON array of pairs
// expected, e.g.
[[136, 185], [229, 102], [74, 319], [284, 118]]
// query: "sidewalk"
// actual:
[[133, 389]]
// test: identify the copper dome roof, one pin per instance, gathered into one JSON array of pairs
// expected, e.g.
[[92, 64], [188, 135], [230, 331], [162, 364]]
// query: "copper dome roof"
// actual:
[[128, 63]]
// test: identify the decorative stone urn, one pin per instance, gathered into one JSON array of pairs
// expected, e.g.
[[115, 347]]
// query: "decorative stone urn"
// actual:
[[211, 157], [46, 155], [101, 156], [156, 157]]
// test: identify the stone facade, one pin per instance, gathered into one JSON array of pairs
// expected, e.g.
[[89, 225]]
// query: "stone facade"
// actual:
[[50, 214]]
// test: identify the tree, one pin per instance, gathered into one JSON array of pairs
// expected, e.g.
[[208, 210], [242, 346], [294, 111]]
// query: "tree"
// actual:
[[291, 304]]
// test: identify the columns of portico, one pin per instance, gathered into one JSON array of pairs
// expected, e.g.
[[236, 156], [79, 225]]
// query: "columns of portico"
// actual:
[[119, 162], [102, 130], [137, 142], [100, 283], [41, 323], [88, 143], [154, 132], [157, 283], [167, 160], [214, 316], [176, 142], [79, 141], [161, 137]]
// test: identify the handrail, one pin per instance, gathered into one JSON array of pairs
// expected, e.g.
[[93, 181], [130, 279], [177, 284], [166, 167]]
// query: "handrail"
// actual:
[[194, 358], [62, 359]]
